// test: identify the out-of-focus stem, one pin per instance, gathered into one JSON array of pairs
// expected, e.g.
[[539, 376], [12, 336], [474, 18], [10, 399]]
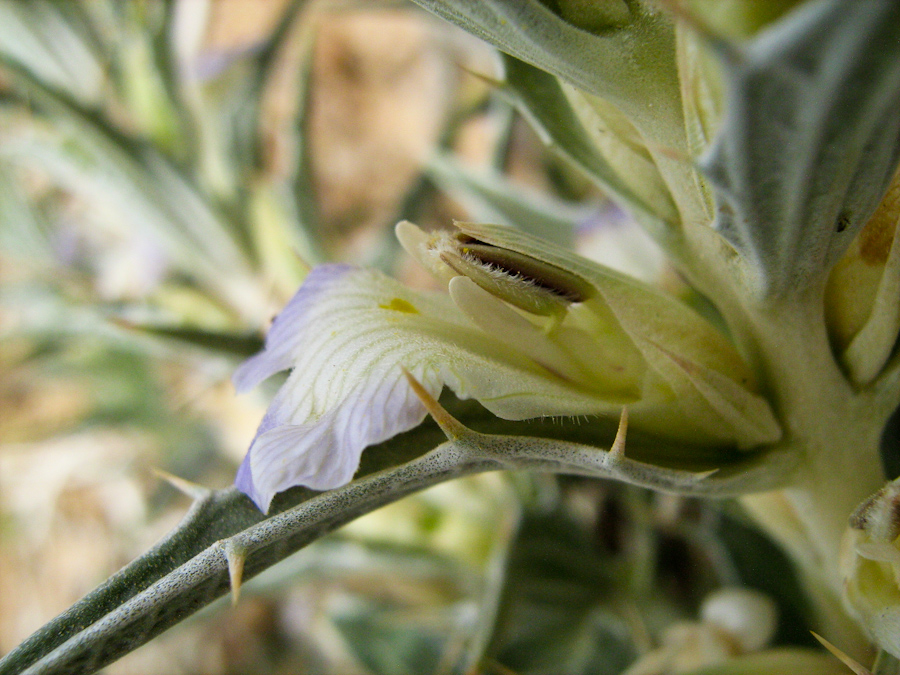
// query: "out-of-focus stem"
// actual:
[[835, 430]]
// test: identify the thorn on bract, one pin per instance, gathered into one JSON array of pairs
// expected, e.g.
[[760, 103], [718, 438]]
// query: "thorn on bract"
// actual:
[[235, 555], [193, 490], [848, 661], [617, 451], [452, 428]]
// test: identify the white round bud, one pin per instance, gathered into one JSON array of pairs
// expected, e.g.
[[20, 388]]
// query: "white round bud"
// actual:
[[747, 616]]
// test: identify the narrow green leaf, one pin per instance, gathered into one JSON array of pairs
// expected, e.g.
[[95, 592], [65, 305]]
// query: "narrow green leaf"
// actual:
[[93, 158], [189, 569], [776, 662], [39, 37], [23, 230], [240, 345]]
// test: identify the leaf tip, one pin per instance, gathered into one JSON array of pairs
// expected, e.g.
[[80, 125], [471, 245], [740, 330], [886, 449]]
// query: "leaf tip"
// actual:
[[848, 661], [193, 490]]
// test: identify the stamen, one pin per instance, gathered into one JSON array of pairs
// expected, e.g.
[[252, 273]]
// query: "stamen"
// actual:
[[516, 278], [525, 268]]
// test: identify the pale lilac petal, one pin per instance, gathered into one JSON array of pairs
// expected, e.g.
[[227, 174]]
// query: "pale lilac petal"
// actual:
[[284, 339], [243, 481], [325, 453]]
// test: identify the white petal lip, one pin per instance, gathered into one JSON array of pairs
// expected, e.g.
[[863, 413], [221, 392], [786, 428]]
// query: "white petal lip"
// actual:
[[325, 453], [346, 334], [323, 450]]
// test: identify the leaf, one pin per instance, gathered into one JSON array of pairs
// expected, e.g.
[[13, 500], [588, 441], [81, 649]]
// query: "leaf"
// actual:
[[284, 64], [886, 664], [810, 139], [37, 35], [189, 568], [236, 344], [184, 572], [94, 160], [776, 662], [559, 597], [639, 162], [630, 64], [389, 647], [23, 227], [494, 579]]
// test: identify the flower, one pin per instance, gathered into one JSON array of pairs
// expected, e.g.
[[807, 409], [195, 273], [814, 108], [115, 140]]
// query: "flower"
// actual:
[[528, 329]]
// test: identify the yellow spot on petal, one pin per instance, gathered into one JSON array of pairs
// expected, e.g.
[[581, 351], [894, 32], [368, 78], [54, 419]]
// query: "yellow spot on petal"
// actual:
[[400, 305]]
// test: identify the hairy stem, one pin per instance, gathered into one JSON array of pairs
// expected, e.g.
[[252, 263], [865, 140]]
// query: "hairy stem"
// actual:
[[834, 429]]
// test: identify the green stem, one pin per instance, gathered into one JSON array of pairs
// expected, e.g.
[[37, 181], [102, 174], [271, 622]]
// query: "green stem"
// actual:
[[833, 428]]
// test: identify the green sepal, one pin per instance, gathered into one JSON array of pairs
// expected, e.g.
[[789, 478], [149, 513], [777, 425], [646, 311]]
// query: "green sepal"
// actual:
[[540, 97], [631, 64]]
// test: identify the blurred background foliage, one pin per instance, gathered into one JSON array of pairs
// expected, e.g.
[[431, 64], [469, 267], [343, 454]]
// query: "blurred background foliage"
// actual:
[[169, 171]]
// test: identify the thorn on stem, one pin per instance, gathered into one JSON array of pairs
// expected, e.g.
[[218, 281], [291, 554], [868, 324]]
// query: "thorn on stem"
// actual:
[[235, 555], [617, 450]]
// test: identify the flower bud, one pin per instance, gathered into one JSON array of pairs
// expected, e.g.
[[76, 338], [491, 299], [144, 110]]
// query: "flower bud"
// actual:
[[733, 622], [870, 566], [748, 616]]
